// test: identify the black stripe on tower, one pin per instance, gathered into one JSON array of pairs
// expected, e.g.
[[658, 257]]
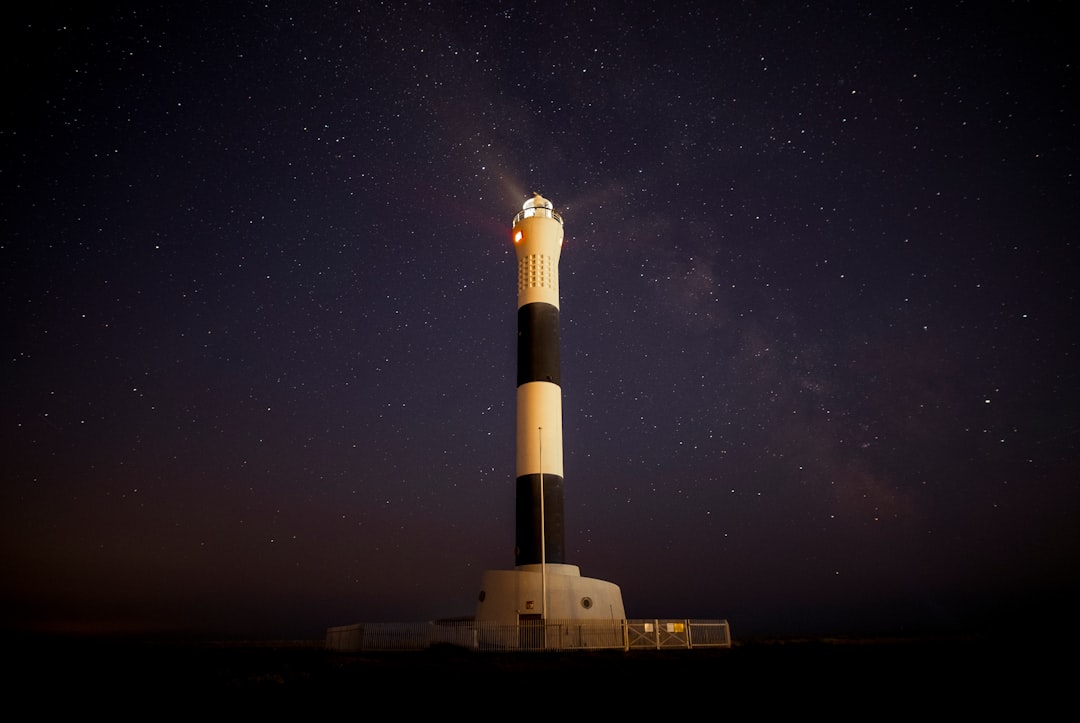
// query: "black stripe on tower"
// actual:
[[538, 343], [527, 551]]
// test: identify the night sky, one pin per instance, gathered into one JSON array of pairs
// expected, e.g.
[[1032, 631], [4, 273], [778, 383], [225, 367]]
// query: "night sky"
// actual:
[[819, 299]]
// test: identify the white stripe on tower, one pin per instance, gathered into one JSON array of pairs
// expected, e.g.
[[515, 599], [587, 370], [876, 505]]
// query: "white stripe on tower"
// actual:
[[538, 237]]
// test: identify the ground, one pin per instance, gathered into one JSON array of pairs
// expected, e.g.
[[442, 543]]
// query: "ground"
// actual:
[[846, 678]]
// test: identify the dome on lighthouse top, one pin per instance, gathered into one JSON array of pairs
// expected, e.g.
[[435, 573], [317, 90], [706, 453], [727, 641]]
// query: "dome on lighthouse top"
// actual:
[[538, 206], [537, 201]]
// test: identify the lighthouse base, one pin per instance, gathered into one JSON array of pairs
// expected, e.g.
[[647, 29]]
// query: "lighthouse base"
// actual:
[[546, 592]]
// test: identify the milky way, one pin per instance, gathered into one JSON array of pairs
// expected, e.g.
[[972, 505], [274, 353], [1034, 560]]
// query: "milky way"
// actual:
[[819, 293]]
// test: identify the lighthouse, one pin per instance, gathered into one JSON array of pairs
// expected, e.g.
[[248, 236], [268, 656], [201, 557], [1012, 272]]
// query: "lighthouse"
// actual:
[[538, 237], [542, 585]]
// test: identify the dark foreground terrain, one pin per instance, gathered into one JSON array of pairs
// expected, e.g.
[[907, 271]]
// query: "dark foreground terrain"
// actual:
[[850, 679]]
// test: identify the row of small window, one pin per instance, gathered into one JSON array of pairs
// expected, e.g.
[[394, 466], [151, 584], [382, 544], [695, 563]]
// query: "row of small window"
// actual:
[[535, 270]]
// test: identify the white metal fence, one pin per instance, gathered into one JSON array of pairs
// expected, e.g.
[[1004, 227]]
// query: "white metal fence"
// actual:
[[548, 635]]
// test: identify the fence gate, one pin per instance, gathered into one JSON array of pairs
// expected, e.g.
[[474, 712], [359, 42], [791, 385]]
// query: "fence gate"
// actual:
[[657, 634]]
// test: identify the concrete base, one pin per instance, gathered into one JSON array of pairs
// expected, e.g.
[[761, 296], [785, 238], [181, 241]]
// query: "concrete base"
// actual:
[[551, 592]]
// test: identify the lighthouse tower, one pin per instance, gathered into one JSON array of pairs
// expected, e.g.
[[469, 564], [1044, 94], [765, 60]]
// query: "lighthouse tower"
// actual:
[[542, 586]]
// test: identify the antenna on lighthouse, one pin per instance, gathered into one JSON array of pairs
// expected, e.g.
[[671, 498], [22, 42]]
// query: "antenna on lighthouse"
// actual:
[[543, 540]]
